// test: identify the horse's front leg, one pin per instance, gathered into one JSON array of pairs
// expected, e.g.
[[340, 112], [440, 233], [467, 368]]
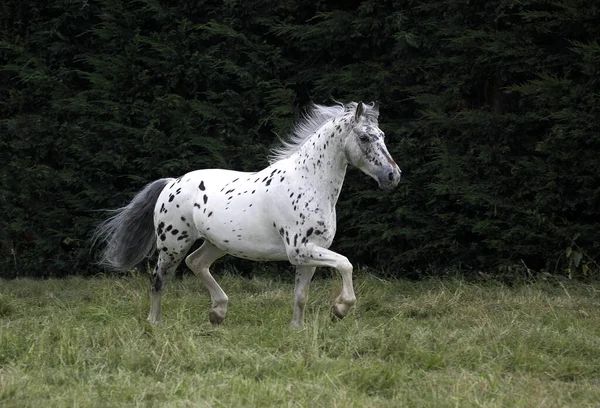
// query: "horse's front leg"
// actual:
[[311, 255]]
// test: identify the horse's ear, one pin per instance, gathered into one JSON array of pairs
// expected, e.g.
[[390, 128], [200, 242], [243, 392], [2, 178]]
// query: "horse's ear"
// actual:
[[376, 106], [360, 110]]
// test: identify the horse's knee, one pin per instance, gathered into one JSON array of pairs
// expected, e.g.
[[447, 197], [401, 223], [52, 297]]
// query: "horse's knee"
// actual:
[[344, 265]]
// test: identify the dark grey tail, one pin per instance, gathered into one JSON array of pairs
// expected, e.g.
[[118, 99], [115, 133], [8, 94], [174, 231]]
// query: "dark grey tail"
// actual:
[[129, 234]]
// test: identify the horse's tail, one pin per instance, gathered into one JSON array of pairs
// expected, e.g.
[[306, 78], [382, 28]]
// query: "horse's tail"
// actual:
[[129, 234]]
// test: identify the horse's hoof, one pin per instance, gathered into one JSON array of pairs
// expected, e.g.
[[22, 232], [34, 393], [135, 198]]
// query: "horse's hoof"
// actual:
[[335, 314], [214, 318], [296, 326], [154, 322]]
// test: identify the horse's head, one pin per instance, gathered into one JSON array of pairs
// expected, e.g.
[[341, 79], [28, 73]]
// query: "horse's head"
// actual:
[[365, 147]]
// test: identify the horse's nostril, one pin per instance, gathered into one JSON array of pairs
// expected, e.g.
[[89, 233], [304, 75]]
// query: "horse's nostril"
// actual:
[[391, 176]]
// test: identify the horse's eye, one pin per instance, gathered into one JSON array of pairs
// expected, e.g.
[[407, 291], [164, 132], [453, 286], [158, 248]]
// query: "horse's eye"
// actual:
[[364, 138]]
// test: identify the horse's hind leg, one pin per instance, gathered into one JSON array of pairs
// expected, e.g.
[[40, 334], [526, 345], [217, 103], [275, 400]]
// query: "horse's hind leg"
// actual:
[[164, 269], [199, 261]]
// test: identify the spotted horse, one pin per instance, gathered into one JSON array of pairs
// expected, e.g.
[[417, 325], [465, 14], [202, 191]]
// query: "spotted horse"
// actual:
[[285, 212]]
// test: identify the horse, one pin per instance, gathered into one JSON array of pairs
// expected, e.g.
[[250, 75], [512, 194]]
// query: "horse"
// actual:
[[285, 212]]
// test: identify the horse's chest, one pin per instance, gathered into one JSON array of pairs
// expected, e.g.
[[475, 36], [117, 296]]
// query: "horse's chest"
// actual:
[[325, 232], [319, 230]]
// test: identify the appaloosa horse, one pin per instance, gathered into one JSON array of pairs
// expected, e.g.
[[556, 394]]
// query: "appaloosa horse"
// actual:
[[283, 212]]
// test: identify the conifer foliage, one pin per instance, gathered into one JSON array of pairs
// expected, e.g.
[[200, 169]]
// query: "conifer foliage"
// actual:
[[490, 108]]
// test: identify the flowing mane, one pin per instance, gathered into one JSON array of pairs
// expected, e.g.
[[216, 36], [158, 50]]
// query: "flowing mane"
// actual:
[[315, 117]]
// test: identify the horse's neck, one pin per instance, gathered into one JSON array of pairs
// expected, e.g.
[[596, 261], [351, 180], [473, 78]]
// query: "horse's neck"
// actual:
[[321, 160]]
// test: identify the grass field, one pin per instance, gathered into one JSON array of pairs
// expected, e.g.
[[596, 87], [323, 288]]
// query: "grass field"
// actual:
[[433, 343]]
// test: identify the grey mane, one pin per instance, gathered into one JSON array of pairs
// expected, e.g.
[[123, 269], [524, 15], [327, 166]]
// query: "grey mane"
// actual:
[[315, 117]]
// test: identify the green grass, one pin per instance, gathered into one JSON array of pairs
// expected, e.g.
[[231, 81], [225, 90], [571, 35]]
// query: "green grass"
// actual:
[[434, 343]]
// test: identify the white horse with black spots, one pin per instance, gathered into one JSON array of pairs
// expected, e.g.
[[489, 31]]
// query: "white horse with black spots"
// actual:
[[285, 212]]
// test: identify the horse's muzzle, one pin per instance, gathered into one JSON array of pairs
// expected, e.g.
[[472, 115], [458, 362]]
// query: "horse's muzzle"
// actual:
[[389, 178]]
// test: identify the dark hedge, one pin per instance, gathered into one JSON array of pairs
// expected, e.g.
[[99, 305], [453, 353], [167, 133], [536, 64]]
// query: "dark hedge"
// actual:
[[491, 109]]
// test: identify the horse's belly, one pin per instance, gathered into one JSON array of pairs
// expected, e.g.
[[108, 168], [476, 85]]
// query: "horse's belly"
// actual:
[[236, 221], [247, 241]]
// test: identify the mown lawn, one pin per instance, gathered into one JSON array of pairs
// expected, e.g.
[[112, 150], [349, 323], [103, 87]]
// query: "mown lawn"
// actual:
[[433, 343]]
